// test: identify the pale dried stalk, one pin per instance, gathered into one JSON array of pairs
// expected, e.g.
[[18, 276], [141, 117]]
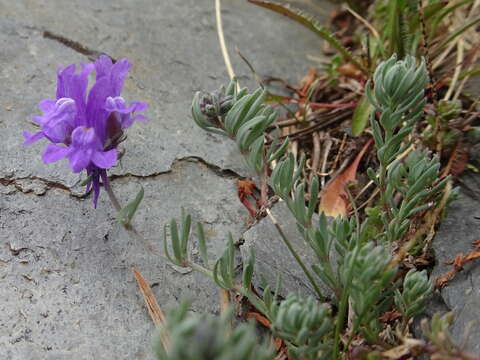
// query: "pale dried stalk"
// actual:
[[221, 39], [458, 69], [156, 314]]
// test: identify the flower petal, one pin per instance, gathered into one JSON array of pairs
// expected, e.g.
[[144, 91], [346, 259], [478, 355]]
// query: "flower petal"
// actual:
[[119, 72], [85, 138], [105, 159], [96, 114], [54, 153], [47, 105], [103, 66], [79, 159], [74, 86], [31, 138], [118, 104], [59, 123]]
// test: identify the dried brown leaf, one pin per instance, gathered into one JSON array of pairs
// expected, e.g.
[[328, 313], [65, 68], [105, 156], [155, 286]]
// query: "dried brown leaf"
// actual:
[[258, 317], [333, 198]]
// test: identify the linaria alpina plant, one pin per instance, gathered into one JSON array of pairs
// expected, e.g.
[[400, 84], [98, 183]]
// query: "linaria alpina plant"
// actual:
[[353, 261], [206, 337], [87, 127]]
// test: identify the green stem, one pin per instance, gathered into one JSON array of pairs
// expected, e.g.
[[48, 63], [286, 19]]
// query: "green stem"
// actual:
[[296, 256], [343, 307], [200, 269], [129, 227], [256, 301]]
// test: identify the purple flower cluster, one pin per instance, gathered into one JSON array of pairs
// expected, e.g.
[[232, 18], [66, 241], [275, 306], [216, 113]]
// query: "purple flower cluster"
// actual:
[[87, 126]]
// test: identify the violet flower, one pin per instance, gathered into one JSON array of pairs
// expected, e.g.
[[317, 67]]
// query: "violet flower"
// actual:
[[86, 127]]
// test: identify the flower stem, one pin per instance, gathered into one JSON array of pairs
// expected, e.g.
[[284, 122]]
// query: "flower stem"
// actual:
[[296, 256], [128, 227], [343, 306]]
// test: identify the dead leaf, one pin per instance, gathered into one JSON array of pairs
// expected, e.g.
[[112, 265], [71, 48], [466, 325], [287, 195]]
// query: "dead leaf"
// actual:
[[389, 316], [259, 317], [457, 163], [472, 255], [308, 80], [403, 351], [442, 280], [351, 71], [245, 188], [458, 264], [333, 198]]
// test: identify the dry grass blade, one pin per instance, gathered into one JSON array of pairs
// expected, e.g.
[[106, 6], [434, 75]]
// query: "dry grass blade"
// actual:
[[156, 314], [221, 39]]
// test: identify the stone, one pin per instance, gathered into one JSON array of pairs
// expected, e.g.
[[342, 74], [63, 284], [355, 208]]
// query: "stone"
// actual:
[[462, 294], [67, 289], [274, 259]]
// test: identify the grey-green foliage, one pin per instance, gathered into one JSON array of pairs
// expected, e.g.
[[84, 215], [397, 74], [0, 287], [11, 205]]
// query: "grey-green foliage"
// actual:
[[417, 288], [399, 95], [242, 116], [417, 180], [362, 275], [437, 332], [284, 181], [176, 247], [305, 325], [370, 287], [207, 337]]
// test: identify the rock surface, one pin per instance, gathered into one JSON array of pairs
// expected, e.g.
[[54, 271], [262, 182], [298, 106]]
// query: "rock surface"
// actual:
[[66, 289], [462, 294], [273, 258]]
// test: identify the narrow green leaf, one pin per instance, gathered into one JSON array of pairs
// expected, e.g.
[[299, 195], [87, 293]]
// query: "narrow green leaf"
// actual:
[[125, 215], [459, 31], [361, 115], [86, 181], [248, 270], [186, 225], [446, 10], [177, 252], [165, 246], [202, 246]]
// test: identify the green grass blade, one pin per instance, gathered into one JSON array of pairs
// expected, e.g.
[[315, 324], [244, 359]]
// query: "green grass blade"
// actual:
[[460, 31], [361, 115]]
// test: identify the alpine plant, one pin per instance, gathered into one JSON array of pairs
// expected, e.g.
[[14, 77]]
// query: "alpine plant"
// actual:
[[84, 126]]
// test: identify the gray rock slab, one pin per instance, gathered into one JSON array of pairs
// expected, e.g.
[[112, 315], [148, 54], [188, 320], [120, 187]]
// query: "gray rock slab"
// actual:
[[174, 48], [67, 291], [273, 258], [462, 294]]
